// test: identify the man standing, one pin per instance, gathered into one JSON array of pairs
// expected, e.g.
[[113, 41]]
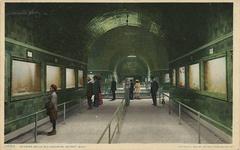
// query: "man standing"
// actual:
[[96, 91], [113, 88], [154, 89], [52, 109], [126, 92], [89, 92], [131, 89]]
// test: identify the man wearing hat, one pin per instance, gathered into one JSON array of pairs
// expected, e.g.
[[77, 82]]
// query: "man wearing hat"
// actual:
[[89, 92], [52, 109], [113, 88], [96, 90], [154, 89]]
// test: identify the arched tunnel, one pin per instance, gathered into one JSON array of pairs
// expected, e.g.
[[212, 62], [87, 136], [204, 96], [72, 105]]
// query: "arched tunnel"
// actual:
[[129, 34], [186, 49]]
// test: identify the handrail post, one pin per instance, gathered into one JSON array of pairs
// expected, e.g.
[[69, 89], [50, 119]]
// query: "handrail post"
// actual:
[[169, 105], [199, 125], [64, 112], [159, 97], [118, 121], [116, 128], [163, 97], [109, 134], [81, 103], [35, 128], [179, 113]]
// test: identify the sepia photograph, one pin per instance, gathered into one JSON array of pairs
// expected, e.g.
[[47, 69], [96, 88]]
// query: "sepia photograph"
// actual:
[[120, 75]]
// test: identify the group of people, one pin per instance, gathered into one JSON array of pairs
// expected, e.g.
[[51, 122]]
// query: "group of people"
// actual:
[[131, 88], [94, 90], [127, 85]]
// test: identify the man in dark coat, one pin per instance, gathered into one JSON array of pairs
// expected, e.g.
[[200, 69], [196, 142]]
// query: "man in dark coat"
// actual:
[[113, 88], [96, 90], [52, 109], [154, 89], [89, 93], [131, 89]]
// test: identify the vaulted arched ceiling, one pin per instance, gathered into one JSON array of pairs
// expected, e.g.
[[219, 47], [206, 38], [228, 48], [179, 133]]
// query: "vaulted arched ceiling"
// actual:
[[167, 30], [123, 41], [121, 33]]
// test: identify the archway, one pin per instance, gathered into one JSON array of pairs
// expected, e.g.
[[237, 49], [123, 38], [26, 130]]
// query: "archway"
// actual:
[[132, 66]]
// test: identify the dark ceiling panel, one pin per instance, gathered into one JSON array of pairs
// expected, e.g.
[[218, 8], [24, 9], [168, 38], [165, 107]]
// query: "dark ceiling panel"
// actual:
[[62, 26]]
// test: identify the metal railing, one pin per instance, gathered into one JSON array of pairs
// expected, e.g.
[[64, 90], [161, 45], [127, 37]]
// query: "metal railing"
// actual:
[[117, 114], [35, 114], [199, 115]]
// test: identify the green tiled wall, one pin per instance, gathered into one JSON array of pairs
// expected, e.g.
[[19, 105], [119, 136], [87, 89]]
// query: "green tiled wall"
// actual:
[[21, 106], [219, 109]]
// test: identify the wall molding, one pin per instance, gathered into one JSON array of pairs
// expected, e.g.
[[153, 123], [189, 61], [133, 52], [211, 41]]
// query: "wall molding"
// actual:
[[160, 70], [224, 37], [100, 70], [10, 40]]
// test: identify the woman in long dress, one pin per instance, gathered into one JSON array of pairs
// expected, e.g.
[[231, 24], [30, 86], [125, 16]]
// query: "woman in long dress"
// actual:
[[137, 88]]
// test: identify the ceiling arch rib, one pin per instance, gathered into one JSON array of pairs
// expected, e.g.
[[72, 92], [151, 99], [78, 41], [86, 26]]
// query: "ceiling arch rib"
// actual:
[[108, 21]]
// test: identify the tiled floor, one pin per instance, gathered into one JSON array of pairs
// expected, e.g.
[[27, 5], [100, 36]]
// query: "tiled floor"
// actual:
[[81, 127], [143, 123]]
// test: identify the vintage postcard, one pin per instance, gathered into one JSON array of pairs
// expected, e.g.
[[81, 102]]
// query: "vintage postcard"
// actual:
[[120, 74]]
